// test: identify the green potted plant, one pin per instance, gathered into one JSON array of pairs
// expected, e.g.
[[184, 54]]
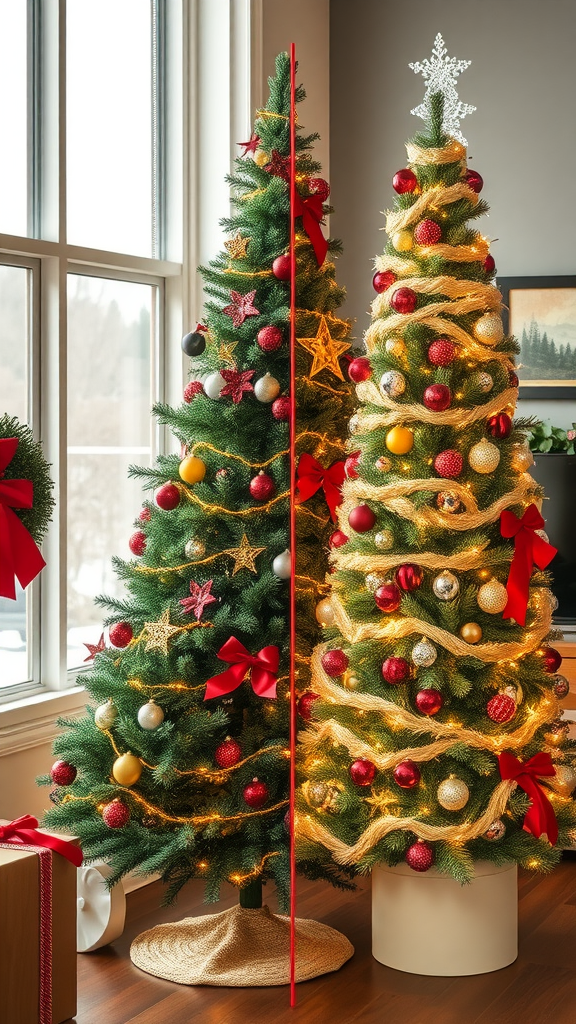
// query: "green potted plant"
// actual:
[[555, 469]]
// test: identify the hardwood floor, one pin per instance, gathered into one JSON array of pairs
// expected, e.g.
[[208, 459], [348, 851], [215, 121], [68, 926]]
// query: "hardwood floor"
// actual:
[[540, 988]]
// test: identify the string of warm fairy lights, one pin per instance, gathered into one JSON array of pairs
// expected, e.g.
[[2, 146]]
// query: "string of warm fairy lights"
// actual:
[[206, 446], [252, 510], [197, 820]]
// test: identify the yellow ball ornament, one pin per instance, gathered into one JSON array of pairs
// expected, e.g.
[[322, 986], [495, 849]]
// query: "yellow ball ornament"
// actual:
[[484, 457], [492, 597], [471, 632], [325, 612], [488, 329], [192, 470], [399, 440], [261, 157], [402, 241], [127, 769]]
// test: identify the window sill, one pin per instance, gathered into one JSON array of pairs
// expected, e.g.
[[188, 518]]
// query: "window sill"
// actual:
[[32, 721]]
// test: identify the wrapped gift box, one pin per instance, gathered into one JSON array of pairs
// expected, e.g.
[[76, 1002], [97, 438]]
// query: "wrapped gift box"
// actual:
[[20, 936]]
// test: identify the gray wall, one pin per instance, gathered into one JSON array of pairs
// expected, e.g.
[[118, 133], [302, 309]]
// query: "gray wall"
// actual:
[[522, 137]]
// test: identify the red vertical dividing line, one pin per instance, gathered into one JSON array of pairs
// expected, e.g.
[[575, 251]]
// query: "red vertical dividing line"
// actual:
[[292, 524]]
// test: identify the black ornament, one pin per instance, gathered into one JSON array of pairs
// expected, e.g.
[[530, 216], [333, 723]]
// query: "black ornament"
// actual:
[[193, 344]]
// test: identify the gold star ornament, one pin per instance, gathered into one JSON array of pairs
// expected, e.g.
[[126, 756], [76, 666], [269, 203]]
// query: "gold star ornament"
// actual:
[[325, 350], [236, 247], [226, 352], [244, 556], [160, 633]]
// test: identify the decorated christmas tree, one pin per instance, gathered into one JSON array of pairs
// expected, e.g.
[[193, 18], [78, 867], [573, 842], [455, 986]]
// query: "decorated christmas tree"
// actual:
[[437, 737], [181, 766]]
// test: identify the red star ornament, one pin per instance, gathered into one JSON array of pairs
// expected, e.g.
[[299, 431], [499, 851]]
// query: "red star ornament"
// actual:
[[237, 382], [279, 165], [200, 597], [251, 146], [95, 649], [241, 307]]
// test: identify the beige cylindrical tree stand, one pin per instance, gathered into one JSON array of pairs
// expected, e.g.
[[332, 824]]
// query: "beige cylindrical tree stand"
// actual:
[[429, 924]]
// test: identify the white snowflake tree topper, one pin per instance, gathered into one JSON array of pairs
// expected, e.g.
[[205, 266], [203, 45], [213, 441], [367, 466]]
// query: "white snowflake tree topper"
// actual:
[[440, 74]]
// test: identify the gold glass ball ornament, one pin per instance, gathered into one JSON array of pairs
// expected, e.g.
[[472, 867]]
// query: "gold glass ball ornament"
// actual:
[[471, 632], [392, 383], [488, 329], [448, 501], [325, 612], [565, 779], [384, 540], [350, 681], [315, 793], [127, 769], [261, 157], [495, 831], [395, 347], [383, 464], [192, 470], [375, 580], [522, 458], [424, 653], [556, 732], [492, 597], [453, 794], [194, 549], [399, 440], [105, 715], [402, 240], [484, 457], [446, 586]]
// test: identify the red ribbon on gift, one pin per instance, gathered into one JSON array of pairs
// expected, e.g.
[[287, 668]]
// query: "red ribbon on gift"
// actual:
[[23, 830], [19, 555], [312, 476], [263, 668], [311, 211], [529, 550], [540, 817]]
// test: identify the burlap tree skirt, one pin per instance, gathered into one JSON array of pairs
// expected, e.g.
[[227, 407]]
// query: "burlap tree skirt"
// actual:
[[239, 948]]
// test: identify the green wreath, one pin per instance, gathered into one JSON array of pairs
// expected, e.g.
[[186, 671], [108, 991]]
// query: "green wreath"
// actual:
[[29, 463]]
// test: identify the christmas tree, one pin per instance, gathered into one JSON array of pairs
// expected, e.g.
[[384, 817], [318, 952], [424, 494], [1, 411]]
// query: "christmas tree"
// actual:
[[437, 737], [182, 767]]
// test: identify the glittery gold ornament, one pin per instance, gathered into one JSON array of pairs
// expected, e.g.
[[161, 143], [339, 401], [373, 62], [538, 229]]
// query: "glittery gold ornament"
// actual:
[[565, 779], [159, 634], [402, 240], [483, 381], [244, 556], [484, 457], [395, 347], [373, 581], [105, 715], [471, 632], [492, 597], [384, 540], [261, 157], [495, 831], [315, 793], [325, 612], [556, 732], [350, 681], [488, 329], [522, 458], [236, 246], [513, 690], [453, 794], [325, 350], [194, 548], [127, 769]]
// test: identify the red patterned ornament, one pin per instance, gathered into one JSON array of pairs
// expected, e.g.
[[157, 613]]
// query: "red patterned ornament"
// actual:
[[281, 408], [552, 659], [499, 426], [319, 187], [167, 497], [228, 753], [474, 180], [501, 708], [281, 268], [269, 338], [137, 543], [383, 280], [193, 388], [513, 380], [237, 383], [359, 369], [351, 464], [429, 701], [388, 597], [437, 397], [420, 856], [334, 663], [262, 487], [427, 232], [404, 181], [256, 794], [305, 704], [362, 772], [449, 463], [241, 307], [409, 576], [62, 773], [396, 670], [489, 264], [116, 814], [407, 775], [404, 300], [120, 634], [441, 352], [361, 518]]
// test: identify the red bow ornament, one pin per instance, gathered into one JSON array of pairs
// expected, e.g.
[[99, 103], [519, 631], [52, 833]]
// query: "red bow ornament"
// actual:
[[311, 210], [19, 556], [263, 668], [529, 550], [312, 476], [540, 817]]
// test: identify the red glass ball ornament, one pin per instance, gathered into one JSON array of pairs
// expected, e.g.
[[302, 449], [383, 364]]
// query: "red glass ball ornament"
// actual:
[[281, 268], [420, 856], [395, 670], [281, 408], [167, 497], [383, 280], [262, 487], [62, 773], [501, 708], [441, 352], [474, 180], [552, 659], [145, 515], [193, 388], [409, 576], [404, 300], [407, 774], [350, 465], [388, 597], [429, 701], [305, 704], [489, 264], [359, 369], [427, 232], [319, 187], [437, 397], [449, 463], [335, 662], [137, 543], [256, 794], [228, 753], [120, 634], [269, 338], [404, 181], [513, 379], [116, 814], [338, 539], [499, 426], [361, 518], [362, 772]]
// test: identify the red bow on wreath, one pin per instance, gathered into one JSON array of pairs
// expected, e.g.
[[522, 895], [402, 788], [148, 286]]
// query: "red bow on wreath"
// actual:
[[22, 832], [310, 209], [529, 550], [540, 817], [263, 668], [312, 476], [19, 555]]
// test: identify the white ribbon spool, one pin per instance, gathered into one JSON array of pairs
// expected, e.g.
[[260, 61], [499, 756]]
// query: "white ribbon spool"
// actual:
[[101, 911]]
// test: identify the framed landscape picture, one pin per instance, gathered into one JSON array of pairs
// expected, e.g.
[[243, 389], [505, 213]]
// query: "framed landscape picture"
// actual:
[[541, 313]]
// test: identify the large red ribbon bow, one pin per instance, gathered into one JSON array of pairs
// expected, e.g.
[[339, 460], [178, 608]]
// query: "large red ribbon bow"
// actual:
[[263, 668], [540, 817], [529, 550], [19, 555], [312, 476], [310, 209], [22, 831]]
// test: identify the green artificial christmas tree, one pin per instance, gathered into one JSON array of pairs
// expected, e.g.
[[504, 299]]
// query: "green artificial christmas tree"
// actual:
[[181, 767], [438, 737]]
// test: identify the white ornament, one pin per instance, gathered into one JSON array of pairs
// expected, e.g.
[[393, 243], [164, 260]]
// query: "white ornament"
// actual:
[[395, 347], [453, 794], [194, 548], [354, 423], [213, 384], [392, 383], [384, 540], [488, 329], [484, 381], [267, 388], [440, 74], [282, 565], [492, 597], [325, 612], [484, 457], [105, 715], [446, 586], [150, 715], [424, 653], [373, 581]]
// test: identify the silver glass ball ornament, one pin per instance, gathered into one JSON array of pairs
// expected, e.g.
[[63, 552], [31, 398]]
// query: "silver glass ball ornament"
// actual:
[[495, 831], [282, 565], [150, 715], [267, 388], [446, 586], [384, 540], [424, 653], [392, 383], [561, 687], [484, 381]]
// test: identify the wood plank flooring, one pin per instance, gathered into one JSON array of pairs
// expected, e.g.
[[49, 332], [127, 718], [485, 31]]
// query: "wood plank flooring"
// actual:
[[540, 988]]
